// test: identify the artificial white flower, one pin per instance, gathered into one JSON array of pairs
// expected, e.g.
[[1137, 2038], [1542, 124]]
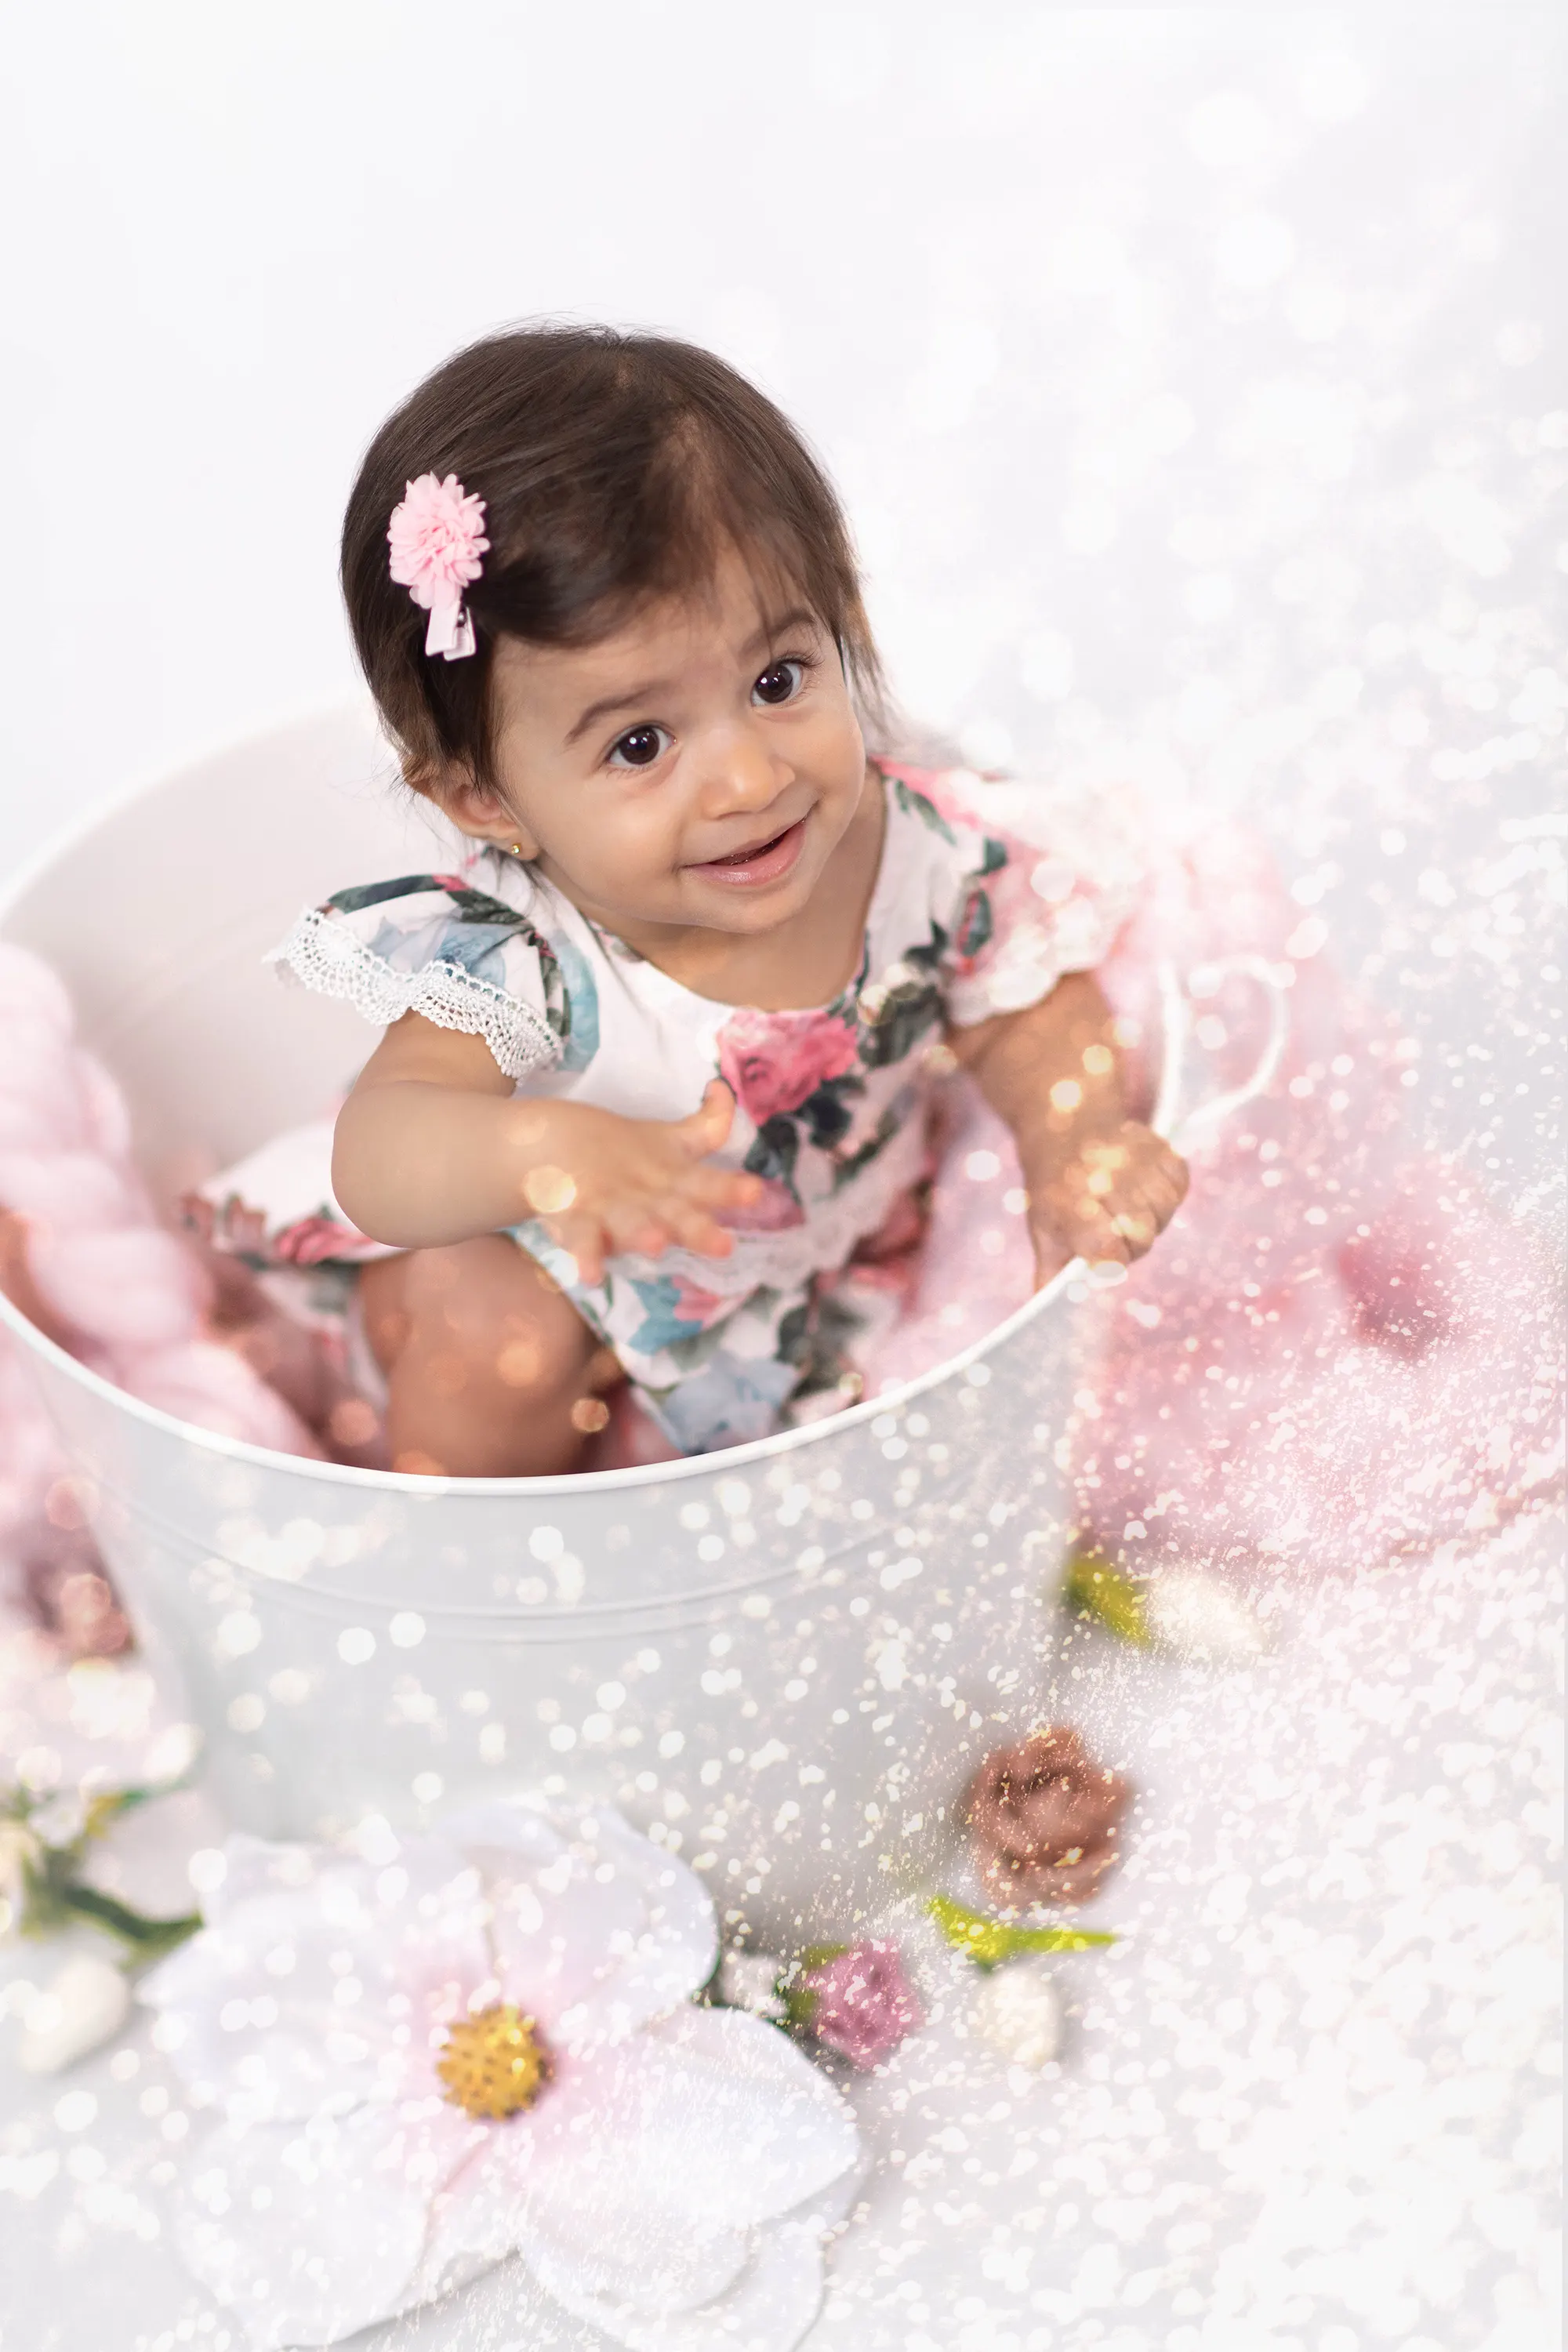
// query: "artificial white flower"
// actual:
[[750, 1980], [86, 2000], [1196, 1616], [488, 2044], [1018, 2012]]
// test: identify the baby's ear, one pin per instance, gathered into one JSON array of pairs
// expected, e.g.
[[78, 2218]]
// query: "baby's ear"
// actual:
[[471, 806]]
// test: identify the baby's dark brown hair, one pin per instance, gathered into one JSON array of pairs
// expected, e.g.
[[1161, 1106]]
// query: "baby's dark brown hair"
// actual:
[[615, 467]]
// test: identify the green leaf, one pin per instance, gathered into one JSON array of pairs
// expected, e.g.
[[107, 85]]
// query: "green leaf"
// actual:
[[801, 2005], [148, 1939], [800, 2000], [1097, 1589], [46, 1888], [989, 1942]]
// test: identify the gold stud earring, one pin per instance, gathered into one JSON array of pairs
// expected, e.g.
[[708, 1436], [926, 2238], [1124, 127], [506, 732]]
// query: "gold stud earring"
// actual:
[[517, 851]]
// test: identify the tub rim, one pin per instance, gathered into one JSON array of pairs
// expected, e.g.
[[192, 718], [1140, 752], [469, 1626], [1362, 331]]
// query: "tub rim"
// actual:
[[730, 1459]]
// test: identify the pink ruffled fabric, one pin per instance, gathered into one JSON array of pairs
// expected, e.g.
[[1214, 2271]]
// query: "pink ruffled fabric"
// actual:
[[128, 1298]]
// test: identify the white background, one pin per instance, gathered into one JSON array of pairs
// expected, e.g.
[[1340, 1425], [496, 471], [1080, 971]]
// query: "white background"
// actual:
[[1195, 380]]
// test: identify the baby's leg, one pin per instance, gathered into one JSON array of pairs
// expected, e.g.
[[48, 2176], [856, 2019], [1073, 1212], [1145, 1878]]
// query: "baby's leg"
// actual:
[[491, 1372]]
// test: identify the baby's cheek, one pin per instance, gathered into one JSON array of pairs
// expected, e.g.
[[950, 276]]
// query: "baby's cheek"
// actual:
[[620, 849], [644, 844]]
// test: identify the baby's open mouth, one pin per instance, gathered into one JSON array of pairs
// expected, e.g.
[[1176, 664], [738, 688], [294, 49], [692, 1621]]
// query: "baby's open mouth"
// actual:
[[764, 861]]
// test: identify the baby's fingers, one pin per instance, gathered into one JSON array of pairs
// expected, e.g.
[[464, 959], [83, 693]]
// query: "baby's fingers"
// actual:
[[1089, 1233], [1157, 1172], [1137, 1227], [1148, 1204], [1153, 1207], [638, 1223], [707, 1187], [584, 1240], [1051, 1253], [694, 1228], [707, 1129]]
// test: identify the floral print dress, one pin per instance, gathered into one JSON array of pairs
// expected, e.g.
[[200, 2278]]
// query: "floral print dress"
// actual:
[[833, 1102]]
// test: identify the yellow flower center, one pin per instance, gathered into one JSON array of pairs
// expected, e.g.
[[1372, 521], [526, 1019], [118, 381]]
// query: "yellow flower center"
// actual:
[[493, 2063]]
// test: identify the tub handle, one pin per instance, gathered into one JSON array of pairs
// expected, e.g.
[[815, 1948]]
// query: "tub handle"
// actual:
[[1175, 1012]]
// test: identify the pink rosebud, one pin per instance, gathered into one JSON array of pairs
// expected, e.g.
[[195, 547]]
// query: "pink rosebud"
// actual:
[[863, 2005], [1047, 1819], [773, 1061]]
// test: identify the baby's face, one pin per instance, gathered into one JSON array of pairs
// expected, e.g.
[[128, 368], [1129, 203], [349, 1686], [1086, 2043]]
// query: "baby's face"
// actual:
[[698, 768]]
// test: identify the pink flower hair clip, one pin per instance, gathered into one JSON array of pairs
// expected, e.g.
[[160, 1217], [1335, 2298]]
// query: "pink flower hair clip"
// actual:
[[436, 538]]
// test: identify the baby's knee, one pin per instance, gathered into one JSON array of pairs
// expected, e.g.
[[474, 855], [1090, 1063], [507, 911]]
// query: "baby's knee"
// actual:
[[476, 1313], [534, 1355]]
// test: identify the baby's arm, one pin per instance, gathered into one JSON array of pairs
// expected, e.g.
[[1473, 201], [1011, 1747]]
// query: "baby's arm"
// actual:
[[432, 1147], [1100, 1185]]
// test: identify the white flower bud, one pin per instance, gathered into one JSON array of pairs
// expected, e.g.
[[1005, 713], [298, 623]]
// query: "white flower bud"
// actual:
[[1018, 2012], [61, 1817], [749, 1981], [1196, 1616], [84, 2003]]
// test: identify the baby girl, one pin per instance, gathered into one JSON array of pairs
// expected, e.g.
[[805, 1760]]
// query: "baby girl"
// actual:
[[659, 1059]]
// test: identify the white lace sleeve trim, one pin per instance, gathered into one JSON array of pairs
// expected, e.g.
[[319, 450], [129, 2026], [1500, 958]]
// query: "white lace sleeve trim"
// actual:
[[324, 954]]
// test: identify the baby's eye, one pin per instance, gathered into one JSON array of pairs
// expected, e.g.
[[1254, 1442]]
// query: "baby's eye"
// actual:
[[779, 683], [639, 747]]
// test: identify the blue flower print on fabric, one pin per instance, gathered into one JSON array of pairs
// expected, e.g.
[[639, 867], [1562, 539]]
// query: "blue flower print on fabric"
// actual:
[[582, 1040], [726, 1402]]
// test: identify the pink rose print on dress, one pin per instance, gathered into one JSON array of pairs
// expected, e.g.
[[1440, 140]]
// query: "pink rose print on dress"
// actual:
[[773, 1061], [692, 1304], [311, 1241]]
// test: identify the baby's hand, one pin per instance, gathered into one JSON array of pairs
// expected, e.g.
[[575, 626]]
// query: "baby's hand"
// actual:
[[1102, 1196], [610, 1183]]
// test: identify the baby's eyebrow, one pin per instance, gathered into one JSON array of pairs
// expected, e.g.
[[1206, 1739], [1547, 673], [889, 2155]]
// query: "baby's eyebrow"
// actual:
[[626, 697], [798, 617]]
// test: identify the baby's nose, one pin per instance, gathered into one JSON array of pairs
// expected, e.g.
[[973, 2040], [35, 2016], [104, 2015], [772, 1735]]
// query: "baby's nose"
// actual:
[[740, 774]]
